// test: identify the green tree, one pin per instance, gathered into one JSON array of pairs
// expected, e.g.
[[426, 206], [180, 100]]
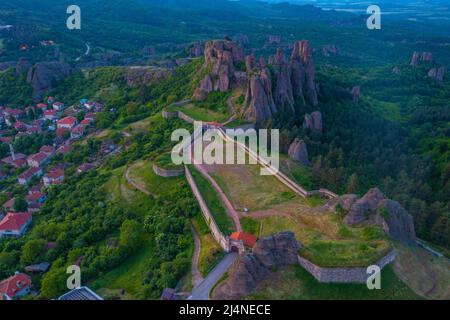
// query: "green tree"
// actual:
[[20, 205], [32, 250]]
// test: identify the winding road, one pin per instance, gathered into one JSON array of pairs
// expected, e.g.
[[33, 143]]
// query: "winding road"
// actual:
[[202, 291]]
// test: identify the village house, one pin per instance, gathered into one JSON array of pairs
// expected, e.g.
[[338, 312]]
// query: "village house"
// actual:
[[26, 177], [77, 132], [17, 161], [90, 116], [50, 100], [50, 114], [37, 188], [67, 123], [37, 197], [48, 150], [54, 177], [20, 126], [248, 240], [58, 106], [15, 224], [9, 205], [38, 160], [16, 286], [41, 106]]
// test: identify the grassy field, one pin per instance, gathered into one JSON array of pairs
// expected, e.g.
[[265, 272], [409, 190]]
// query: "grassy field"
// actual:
[[427, 275], [294, 283], [326, 241], [165, 161], [127, 276], [200, 114], [300, 174], [211, 252], [141, 172], [214, 202], [247, 188]]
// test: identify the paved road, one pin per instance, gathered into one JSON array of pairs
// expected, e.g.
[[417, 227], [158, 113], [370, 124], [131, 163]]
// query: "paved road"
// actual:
[[202, 291], [197, 277]]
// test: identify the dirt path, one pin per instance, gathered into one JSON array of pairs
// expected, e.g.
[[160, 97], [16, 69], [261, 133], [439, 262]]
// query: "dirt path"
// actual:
[[196, 275], [228, 205], [135, 185]]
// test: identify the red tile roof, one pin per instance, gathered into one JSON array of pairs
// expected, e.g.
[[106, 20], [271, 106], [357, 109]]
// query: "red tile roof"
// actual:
[[34, 196], [70, 121], [41, 105], [47, 149], [55, 174], [248, 239], [38, 157], [13, 285], [50, 112], [15, 221], [29, 173]]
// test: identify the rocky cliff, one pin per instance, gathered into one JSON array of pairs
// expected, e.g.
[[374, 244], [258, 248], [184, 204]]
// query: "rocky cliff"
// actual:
[[374, 208], [44, 76], [313, 121], [298, 151], [221, 59], [275, 251], [437, 74], [291, 79]]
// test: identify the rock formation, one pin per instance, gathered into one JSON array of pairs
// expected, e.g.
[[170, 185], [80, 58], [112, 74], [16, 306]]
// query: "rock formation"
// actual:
[[313, 121], [330, 50], [22, 66], [437, 74], [356, 94], [303, 72], [283, 92], [259, 103], [368, 203], [44, 76], [374, 208], [298, 152], [418, 57], [196, 50], [275, 251], [221, 57], [145, 75]]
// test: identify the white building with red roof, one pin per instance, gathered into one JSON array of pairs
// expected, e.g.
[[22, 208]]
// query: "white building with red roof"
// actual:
[[14, 287], [67, 123], [38, 160], [50, 114], [26, 177], [48, 150], [55, 176], [77, 132], [15, 224]]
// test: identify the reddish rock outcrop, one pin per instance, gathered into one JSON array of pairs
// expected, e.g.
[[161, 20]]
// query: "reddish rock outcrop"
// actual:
[[418, 57], [44, 76], [195, 50], [275, 251], [330, 50], [221, 57], [368, 203], [374, 208], [437, 74], [259, 103], [356, 94], [298, 151], [313, 121], [283, 92]]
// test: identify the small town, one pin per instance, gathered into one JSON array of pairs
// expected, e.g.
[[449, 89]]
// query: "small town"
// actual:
[[32, 175]]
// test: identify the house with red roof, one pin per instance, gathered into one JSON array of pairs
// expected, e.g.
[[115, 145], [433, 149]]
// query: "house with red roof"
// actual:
[[50, 100], [77, 132], [48, 150], [20, 126], [9, 205], [15, 224], [37, 197], [18, 161], [14, 287], [54, 177], [67, 123], [85, 167], [26, 177], [249, 240], [38, 160], [90, 116], [50, 114], [41, 106]]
